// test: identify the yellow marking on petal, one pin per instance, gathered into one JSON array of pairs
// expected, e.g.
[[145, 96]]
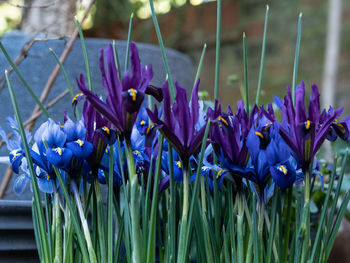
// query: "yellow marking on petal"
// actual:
[[133, 94], [80, 142], [105, 128], [340, 125], [220, 172], [142, 122], [76, 97], [62, 126], [179, 164], [267, 124], [59, 150], [47, 177], [137, 152], [149, 128], [259, 134], [336, 120], [14, 157], [223, 120], [106, 150], [283, 169], [307, 125]]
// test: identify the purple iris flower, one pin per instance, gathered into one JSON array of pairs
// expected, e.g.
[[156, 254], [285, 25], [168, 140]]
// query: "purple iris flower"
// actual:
[[124, 97], [304, 132], [229, 137], [179, 123], [338, 128]]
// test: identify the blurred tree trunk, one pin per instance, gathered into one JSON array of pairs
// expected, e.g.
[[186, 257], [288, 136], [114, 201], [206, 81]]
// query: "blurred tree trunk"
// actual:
[[52, 17], [332, 53], [331, 60]]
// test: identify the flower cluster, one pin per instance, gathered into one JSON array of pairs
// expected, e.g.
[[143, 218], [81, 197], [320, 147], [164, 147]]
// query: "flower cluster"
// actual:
[[252, 150]]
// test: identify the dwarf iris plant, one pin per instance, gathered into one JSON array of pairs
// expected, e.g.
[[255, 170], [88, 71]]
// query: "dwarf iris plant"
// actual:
[[181, 181]]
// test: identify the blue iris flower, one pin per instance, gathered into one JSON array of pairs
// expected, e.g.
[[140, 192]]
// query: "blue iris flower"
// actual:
[[57, 154], [104, 167], [14, 145], [270, 155], [75, 140]]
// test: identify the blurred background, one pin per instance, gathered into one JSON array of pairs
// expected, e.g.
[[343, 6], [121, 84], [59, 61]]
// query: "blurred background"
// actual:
[[187, 24]]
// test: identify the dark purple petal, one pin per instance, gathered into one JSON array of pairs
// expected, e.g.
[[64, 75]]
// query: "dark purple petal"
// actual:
[[322, 133], [181, 111], [290, 141], [299, 103], [135, 62], [196, 141], [155, 92], [102, 107], [164, 184], [168, 118], [314, 105], [195, 104], [132, 100]]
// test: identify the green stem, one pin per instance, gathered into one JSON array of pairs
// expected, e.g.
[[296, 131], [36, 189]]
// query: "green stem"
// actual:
[[84, 223], [263, 48], [181, 256], [135, 222], [245, 66], [260, 229], [162, 49], [110, 206], [296, 58], [58, 230], [217, 50], [305, 226], [288, 225], [153, 219], [126, 66], [172, 219], [100, 221], [240, 242]]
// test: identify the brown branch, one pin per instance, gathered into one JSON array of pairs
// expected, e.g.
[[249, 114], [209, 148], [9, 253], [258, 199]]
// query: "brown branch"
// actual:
[[24, 53], [54, 73], [37, 112], [5, 181]]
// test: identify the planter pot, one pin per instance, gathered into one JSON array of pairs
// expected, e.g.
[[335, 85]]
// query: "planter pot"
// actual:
[[17, 242], [38, 65]]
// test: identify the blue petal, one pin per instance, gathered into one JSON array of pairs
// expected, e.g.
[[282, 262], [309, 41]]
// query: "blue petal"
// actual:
[[59, 157], [74, 131], [20, 184], [142, 120], [45, 185], [52, 133], [16, 157], [80, 149], [284, 175], [278, 101], [101, 177]]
